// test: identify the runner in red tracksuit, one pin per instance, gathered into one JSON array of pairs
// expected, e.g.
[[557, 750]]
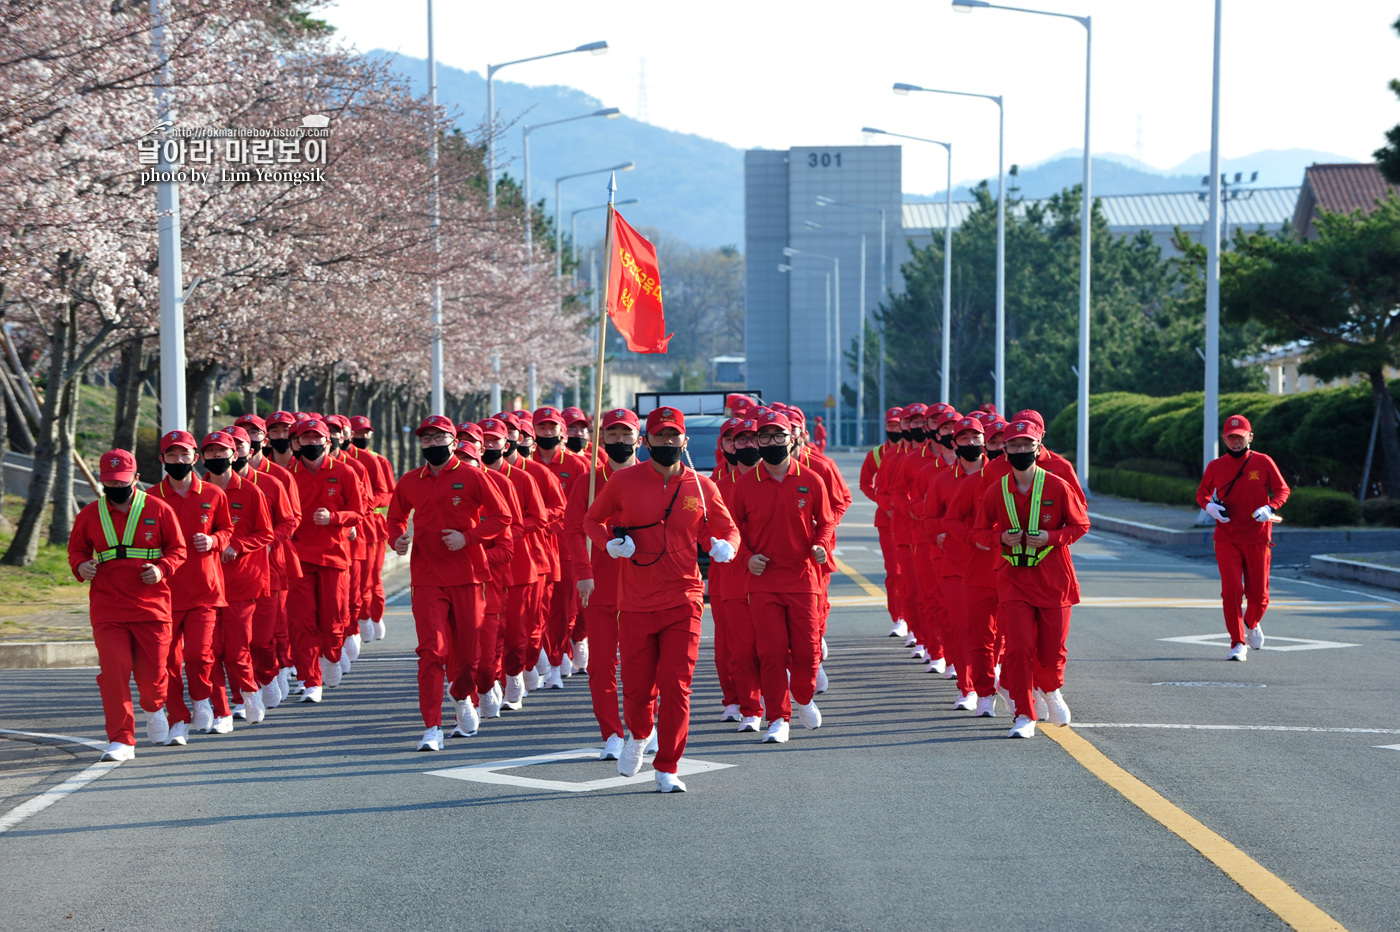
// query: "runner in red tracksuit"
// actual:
[[917, 559], [197, 588], [262, 460], [129, 567], [330, 506], [869, 471], [839, 497], [455, 510], [651, 517], [361, 539], [1032, 517], [1046, 459], [246, 579], [728, 601], [568, 469], [787, 531], [1241, 491], [597, 577], [887, 501], [819, 436], [371, 614]]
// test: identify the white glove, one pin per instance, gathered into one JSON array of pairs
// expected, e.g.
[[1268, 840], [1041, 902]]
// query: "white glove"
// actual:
[[622, 549], [1217, 512], [1263, 514], [721, 551]]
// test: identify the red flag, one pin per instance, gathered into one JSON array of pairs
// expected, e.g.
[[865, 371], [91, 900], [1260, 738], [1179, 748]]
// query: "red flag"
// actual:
[[634, 291]]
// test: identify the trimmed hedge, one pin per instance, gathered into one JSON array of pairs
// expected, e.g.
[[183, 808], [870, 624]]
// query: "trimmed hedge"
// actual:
[[1309, 507], [1312, 507]]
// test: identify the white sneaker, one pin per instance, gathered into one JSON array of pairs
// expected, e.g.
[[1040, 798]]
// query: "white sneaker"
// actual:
[[777, 732], [951, 673], [612, 748], [824, 647], [345, 659], [1254, 637], [937, 665], [731, 714], [351, 649], [555, 679], [1042, 708], [581, 656], [514, 695], [900, 629], [1023, 728], [910, 639], [542, 665], [566, 666], [119, 752], [253, 707], [223, 725], [379, 630], [284, 682], [158, 726], [530, 680], [652, 744], [750, 723], [631, 760], [203, 716], [918, 653], [1239, 652], [468, 719], [330, 673], [1059, 712], [967, 702], [823, 684], [986, 706], [271, 695], [432, 740], [931, 667], [668, 783], [490, 704], [179, 735], [240, 712], [366, 632], [311, 694], [810, 715]]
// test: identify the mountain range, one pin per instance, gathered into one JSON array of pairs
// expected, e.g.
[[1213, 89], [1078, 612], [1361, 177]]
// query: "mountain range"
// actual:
[[692, 189]]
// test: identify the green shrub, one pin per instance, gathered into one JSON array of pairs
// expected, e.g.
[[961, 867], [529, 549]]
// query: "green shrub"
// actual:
[[1384, 511], [1155, 467], [1314, 507]]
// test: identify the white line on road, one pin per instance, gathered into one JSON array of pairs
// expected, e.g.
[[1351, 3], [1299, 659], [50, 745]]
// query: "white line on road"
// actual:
[[1340, 731], [1222, 639], [1365, 595], [53, 794]]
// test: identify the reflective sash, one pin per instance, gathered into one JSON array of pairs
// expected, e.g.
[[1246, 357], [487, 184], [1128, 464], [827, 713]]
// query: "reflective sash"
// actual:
[[1019, 555], [878, 453], [124, 550]]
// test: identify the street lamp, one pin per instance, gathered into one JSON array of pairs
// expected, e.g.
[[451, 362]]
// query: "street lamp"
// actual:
[[946, 382], [573, 220], [823, 201], [999, 376], [610, 113], [558, 233], [831, 365], [597, 48], [1086, 216], [860, 369]]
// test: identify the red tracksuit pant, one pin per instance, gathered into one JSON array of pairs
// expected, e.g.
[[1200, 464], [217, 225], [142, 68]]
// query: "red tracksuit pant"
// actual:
[[233, 661], [890, 554], [515, 631], [1244, 574], [372, 597], [191, 646], [741, 655], [125, 648], [910, 609], [282, 629], [1035, 650], [931, 611], [724, 628], [602, 667], [263, 646], [955, 634], [354, 593], [316, 609], [981, 650], [538, 617], [563, 604], [659, 650], [488, 657], [787, 630], [448, 622]]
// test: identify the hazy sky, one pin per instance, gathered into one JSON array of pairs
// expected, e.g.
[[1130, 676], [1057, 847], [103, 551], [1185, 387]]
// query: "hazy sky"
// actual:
[[773, 73]]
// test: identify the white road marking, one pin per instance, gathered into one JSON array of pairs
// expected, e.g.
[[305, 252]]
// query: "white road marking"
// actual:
[[1364, 595], [1340, 731], [1222, 639], [1283, 605], [489, 772], [1386, 747], [53, 794], [1096, 556]]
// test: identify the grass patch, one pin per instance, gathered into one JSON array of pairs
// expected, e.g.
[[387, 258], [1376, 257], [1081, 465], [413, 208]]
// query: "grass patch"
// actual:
[[46, 585]]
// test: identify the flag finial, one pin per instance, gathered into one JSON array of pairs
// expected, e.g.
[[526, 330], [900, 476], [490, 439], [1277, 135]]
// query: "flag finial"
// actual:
[[612, 186]]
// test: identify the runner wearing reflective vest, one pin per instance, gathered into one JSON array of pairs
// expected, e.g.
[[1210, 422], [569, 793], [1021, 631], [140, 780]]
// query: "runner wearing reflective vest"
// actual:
[[1032, 516]]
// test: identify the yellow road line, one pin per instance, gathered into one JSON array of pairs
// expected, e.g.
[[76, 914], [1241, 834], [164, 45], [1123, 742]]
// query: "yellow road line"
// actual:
[[1299, 605], [1256, 880], [857, 578]]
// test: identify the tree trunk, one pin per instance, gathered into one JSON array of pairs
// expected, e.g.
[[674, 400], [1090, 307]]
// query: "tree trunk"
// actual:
[[24, 547], [61, 523], [202, 397], [250, 392], [1390, 442], [290, 400], [129, 380], [4, 449]]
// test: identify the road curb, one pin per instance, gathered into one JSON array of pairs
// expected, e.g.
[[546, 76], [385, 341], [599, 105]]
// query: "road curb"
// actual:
[[1150, 532], [37, 655], [1372, 574]]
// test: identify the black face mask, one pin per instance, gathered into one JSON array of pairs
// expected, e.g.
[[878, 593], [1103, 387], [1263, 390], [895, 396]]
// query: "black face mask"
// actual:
[[946, 440], [774, 455], [730, 458], [311, 452], [436, 456], [993, 454], [345, 444], [178, 470], [240, 463], [361, 442], [970, 452], [1237, 453], [575, 444], [1021, 461], [748, 455], [118, 495], [915, 434], [490, 457], [218, 466], [894, 435], [282, 445], [511, 447], [620, 452], [666, 456], [548, 443]]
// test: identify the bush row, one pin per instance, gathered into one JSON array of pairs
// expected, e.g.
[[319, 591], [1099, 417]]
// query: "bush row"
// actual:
[[1306, 506]]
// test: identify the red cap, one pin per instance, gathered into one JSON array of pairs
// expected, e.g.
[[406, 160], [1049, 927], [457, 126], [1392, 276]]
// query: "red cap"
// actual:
[[251, 422], [1023, 427], [177, 438], [774, 419], [360, 422], [663, 417], [278, 417], [527, 424], [969, 423], [745, 426], [547, 415], [892, 415], [238, 434], [621, 416], [574, 416], [1237, 424], [915, 409], [436, 422], [996, 427], [339, 421], [727, 427], [469, 431], [523, 414], [509, 419], [311, 425], [937, 410], [493, 427], [317, 415], [795, 415], [465, 446], [218, 439], [1029, 414], [117, 465], [947, 417]]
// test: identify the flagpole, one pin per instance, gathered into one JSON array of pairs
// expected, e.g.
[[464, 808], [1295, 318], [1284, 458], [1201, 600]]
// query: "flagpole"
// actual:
[[602, 349]]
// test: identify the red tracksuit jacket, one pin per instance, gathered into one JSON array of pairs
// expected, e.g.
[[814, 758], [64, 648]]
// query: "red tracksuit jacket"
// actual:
[[942, 492], [458, 498], [117, 592], [335, 488], [869, 478], [500, 551], [1260, 483], [1051, 583], [199, 582], [528, 561], [247, 576], [595, 565], [291, 563], [783, 521], [284, 522]]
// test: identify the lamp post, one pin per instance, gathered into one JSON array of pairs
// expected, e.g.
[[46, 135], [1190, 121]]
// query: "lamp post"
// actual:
[[999, 376], [525, 131], [832, 366], [1086, 217], [946, 382], [559, 233], [172, 302], [823, 201], [860, 370], [597, 48], [573, 221]]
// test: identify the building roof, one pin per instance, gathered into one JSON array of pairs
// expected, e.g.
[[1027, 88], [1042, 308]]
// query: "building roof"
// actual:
[[1340, 188]]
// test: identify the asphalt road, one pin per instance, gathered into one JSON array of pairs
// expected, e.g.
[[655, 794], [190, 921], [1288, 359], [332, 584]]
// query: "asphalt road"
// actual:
[[899, 813]]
